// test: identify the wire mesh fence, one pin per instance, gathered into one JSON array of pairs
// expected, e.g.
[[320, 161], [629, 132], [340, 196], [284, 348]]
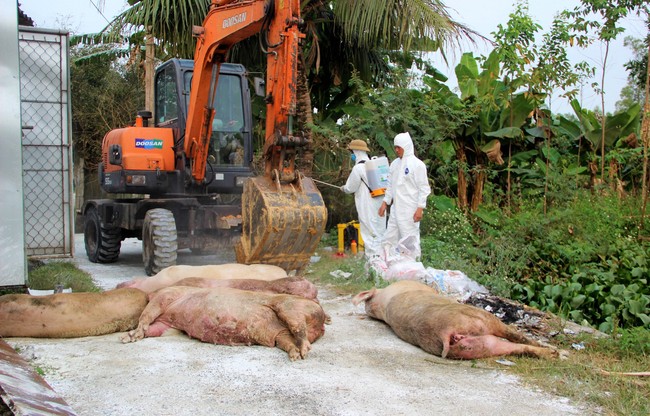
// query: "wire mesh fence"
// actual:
[[47, 147]]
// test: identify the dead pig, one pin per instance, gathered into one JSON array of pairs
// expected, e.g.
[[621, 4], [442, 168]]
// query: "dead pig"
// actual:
[[230, 316], [443, 327], [170, 275], [71, 315], [298, 286]]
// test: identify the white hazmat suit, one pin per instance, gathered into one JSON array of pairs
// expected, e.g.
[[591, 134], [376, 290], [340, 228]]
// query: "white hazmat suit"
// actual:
[[408, 189], [371, 225]]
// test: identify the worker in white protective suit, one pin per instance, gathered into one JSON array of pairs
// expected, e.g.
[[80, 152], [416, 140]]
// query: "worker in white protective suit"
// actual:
[[406, 194], [371, 225]]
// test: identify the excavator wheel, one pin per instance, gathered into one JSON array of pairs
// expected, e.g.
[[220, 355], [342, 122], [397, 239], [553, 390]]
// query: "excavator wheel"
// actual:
[[159, 240], [282, 224], [102, 242]]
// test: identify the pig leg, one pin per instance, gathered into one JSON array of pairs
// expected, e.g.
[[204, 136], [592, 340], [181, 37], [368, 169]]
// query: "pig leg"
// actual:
[[295, 322], [510, 334], [483, 346], [152, 311], [273, 333], [286, 342], [156, 329]]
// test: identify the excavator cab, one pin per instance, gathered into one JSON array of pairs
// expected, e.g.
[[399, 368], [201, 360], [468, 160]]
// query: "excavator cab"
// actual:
[[281, 222], [230, 150]]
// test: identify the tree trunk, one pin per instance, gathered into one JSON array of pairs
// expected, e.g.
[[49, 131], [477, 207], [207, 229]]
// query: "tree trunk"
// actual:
[[509, 186], [479, 183], [645, 137], [305, 118], [604, 119], [149, 71], [613, 174], [462, 177], [79, 196]]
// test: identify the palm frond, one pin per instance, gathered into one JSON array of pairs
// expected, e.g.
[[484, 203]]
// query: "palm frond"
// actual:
[[423, 25], [170, 22]]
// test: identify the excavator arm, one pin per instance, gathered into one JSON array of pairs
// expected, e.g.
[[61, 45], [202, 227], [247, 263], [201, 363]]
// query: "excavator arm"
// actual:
[[227, 23], [283, 213]]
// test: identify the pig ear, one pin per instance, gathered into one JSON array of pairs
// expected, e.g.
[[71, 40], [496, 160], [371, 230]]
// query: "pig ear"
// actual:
[[363, 296]]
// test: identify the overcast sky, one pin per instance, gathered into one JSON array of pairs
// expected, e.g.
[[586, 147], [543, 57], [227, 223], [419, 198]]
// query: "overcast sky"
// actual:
[[483, 16]]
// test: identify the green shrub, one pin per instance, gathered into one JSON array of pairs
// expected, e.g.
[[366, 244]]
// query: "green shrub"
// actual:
[[580, 261], [447, 238]]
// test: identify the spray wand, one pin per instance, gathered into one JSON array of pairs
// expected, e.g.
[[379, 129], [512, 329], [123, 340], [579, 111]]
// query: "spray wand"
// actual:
[[325, 183]]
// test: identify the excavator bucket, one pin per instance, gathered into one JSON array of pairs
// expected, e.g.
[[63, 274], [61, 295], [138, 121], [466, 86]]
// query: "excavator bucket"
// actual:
[[282, 224]]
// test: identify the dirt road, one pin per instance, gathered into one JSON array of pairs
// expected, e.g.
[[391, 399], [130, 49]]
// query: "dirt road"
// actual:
[[359, 367]]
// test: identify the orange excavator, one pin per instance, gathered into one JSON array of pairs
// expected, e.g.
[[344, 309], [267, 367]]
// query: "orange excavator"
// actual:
[[189, 175]]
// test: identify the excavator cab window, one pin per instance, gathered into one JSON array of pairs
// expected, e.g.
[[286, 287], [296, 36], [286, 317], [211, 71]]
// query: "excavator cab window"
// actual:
[[227, 140], [166, 96]]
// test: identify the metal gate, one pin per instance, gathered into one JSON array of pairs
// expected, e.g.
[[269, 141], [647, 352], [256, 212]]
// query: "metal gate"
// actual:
[[47, 147]]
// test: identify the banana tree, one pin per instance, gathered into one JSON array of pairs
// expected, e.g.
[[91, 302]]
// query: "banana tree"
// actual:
[[616, 126], [621, 129], [500, 117]]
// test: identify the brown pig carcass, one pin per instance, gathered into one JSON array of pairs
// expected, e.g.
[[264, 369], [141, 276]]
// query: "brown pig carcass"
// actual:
[[71, 315], [172, 274], [443, 327], [294, 285], [228, 316]]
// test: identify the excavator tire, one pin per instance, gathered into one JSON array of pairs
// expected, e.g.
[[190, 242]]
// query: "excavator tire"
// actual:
[[282, 224], [102, 242], [159, 240]]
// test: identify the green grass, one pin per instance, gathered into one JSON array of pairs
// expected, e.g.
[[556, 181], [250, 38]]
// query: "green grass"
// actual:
[[49, 275], [360, 278], [593, 374]]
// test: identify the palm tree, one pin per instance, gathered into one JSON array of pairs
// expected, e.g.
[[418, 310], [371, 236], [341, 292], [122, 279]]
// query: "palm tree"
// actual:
[[342, 35]]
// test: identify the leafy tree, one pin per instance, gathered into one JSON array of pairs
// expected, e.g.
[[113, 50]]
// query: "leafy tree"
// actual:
[[105, 95], [637, 68], [554, 71], [607, 28], [515, 44]]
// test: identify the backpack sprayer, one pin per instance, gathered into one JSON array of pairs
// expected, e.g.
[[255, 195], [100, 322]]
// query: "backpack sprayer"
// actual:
[[377, 170]]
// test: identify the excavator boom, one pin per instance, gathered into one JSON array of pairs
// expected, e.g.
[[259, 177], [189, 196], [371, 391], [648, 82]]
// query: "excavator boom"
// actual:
[[283, 213]]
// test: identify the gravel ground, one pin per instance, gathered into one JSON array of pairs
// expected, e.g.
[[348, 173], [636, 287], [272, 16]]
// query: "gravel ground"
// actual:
[[359, 367]]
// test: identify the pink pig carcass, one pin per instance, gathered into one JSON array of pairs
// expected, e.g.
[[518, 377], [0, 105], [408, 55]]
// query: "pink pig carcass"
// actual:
[[294, 285], [172, 274], [443, 327], [234, 317]]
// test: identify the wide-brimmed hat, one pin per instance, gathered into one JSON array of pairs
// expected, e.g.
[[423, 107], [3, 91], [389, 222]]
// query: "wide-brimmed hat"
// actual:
[[358, 145]]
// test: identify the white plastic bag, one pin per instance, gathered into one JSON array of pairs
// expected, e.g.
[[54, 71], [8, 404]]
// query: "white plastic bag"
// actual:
[[453, 282], [405, 270]]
